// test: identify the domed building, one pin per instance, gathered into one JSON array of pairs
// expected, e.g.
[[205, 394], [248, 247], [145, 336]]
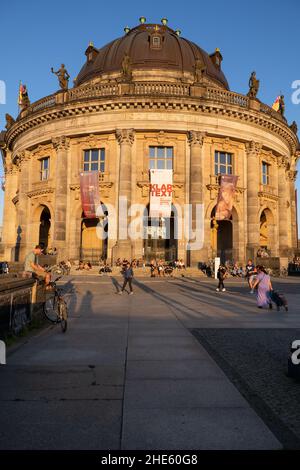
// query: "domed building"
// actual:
[[150, 99]]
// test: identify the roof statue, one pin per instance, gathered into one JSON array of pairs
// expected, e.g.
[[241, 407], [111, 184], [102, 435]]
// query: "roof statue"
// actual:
[[199, 70], [126, 68], [63, 77], [253, 86], [9, 121]]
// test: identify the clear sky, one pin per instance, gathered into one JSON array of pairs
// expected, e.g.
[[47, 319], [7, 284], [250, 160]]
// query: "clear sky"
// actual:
[[261, 35]]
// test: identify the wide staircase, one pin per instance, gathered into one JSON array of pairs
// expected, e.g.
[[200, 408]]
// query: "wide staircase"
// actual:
[[138, 272]]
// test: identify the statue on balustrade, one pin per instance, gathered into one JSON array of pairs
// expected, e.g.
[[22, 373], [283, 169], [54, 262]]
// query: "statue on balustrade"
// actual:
[[199, 70], [63, 77], [253, 85], [10, 121], [294, 127], [126, 67], [281, 108]]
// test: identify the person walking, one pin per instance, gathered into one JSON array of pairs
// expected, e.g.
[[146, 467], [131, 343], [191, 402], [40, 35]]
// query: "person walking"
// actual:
[[221, 275], [264, 288], [251, 275], [128, 276]]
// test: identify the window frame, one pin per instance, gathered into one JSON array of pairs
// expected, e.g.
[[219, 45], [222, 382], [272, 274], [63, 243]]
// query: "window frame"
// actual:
[[159, 161], [265, 176], [88, 164], [218, 164], [44, 172]]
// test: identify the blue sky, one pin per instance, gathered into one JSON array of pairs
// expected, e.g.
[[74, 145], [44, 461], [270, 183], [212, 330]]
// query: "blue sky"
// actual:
[[252, 35]]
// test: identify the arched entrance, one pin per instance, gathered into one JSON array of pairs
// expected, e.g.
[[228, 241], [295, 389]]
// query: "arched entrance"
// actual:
[[93, 245], [44, 230], [266, 230], [160, 241], [222, 235]]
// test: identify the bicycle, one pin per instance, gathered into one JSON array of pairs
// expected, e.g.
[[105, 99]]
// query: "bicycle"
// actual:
[[55, 307]]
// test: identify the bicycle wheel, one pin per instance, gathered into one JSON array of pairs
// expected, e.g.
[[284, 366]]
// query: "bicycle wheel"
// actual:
[[51, 309], [63, 314]]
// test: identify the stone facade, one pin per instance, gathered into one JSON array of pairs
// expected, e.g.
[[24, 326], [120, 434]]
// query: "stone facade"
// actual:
[[126, 119]]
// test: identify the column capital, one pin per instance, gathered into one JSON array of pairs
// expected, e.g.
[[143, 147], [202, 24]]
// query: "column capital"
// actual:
[[282, 163], [253, 147], [292, 175], [125, 136], [196, 138], [61, 143]]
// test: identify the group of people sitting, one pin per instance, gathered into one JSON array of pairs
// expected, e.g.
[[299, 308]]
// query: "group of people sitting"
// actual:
[[160, 268], [262, 253], [136, 263], [84, 266]]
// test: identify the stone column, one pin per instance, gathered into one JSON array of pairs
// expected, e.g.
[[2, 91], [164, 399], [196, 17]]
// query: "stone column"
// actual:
[[283, 208], [195, 139], [61, 145], [123, 247], [9, 234], [253, 187], [22, 243], [292, 179]]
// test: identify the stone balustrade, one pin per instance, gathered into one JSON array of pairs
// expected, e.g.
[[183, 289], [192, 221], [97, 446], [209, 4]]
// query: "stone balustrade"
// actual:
[[164, 89], [224, 96]]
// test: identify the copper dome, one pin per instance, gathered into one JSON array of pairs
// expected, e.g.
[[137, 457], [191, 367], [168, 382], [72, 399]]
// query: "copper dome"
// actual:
[[176, 53]]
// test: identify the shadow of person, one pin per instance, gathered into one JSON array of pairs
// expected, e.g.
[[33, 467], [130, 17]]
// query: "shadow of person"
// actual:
[[86, 304], [117, 285], [71, 296]]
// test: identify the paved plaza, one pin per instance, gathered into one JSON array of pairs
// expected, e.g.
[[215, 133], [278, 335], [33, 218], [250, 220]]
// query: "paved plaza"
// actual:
[[175, 366]]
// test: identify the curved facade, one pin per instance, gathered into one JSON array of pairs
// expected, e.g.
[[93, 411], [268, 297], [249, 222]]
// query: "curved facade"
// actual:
[[170, 100]]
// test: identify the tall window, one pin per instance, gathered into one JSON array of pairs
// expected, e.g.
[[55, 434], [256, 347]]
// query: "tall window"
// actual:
[[94, 160], [265, 167], [44, 168], [161, 158], [223, 163]]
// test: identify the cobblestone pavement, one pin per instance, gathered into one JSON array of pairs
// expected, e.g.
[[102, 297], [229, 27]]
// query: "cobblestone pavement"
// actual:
[[255, 360]]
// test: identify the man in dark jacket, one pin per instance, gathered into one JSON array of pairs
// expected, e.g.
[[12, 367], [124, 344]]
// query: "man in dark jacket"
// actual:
[[221, 275], [128, 275]]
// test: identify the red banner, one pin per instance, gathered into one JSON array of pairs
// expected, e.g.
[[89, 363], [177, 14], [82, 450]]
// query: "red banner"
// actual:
[[89, 189], [225, 197]]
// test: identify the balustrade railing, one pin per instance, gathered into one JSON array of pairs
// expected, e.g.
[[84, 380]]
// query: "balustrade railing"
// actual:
[[224, 96], [46, 102], [212, 94], [93, 91], [264, 108], [159, 88]]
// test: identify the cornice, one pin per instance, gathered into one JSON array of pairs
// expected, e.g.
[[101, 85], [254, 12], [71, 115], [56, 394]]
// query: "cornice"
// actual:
[[204, 107]]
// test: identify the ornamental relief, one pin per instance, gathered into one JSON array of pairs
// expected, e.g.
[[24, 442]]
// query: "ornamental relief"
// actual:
[[91, 141], [42, 151], [226, 144]]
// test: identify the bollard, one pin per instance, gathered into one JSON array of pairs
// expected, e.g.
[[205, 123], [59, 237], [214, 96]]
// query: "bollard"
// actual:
[[294, 360], [2, 353]]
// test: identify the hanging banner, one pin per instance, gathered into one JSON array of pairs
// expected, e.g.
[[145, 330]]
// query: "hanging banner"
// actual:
[[225, 197], [90, 198], [161, 189]]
